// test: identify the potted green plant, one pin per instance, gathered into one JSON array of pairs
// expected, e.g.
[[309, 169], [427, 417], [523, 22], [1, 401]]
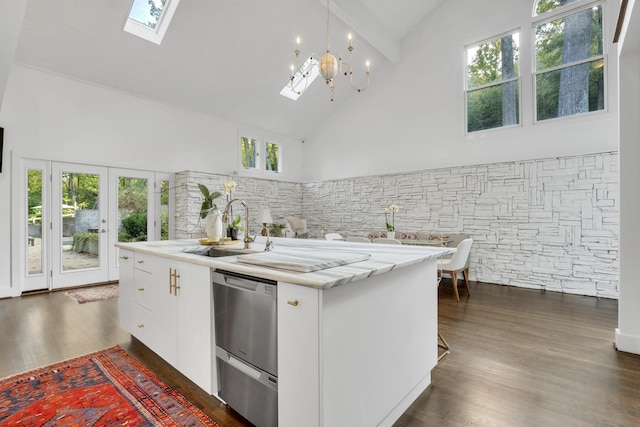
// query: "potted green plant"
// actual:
[[235, 227], [208, 203], [210, 213], [276, 230]]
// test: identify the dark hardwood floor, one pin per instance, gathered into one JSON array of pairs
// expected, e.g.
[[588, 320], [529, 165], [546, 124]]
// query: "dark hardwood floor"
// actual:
[[519, 357]]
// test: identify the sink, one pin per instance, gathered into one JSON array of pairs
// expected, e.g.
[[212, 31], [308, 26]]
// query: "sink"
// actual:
[[216, 252]]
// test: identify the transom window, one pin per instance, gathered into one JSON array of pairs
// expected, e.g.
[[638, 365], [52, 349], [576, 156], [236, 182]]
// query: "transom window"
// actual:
[[569, 58], [251, 151], [493, 83]]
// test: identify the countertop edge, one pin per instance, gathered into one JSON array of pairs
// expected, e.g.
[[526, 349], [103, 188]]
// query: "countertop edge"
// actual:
[[384, 259]]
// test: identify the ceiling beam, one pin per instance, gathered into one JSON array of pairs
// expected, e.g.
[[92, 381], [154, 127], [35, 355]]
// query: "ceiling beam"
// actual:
[[11, 17], [369, 27]]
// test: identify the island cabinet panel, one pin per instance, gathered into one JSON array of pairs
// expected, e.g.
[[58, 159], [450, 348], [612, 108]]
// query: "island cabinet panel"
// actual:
[[195, 325], [169, 309], [381, 333], [156, 282], [298, 356]]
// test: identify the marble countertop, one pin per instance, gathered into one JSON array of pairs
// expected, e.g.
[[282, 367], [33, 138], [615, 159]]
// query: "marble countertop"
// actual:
[[383, 258]]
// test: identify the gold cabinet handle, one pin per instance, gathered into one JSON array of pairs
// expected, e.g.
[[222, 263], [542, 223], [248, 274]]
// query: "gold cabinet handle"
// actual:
[[141, 289], [124, 257], [141, 325], [293, 303], [140, 262], [175, 282]]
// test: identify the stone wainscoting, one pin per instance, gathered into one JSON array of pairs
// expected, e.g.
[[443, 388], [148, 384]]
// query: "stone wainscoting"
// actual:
[[546, 224], [282, 198]]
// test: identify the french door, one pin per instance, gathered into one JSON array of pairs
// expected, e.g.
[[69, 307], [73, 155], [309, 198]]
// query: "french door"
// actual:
[[73, 214], [79, 225]]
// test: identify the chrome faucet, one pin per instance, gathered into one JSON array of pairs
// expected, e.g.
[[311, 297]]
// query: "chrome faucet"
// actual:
[[225, 218], [268, 246]]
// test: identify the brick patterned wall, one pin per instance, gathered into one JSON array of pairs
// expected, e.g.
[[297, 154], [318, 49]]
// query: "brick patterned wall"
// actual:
[[544, 224], [282, 198]]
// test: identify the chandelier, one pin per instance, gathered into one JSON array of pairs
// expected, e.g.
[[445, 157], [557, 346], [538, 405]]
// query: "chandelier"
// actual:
[[327, 66]]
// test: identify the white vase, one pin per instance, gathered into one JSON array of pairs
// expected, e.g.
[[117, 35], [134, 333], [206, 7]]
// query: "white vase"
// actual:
[[213, 226], [391, 234]]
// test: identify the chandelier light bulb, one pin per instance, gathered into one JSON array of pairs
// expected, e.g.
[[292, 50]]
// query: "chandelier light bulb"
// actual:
[[328, 66]]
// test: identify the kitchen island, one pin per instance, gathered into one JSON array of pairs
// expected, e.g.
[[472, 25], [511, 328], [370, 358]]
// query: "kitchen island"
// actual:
[[355, 343]]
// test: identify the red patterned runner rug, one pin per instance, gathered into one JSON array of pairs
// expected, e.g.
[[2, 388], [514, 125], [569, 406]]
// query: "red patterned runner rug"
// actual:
[[105, 388]]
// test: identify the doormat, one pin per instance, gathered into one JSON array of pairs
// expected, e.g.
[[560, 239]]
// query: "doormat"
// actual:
[[105, 388], [97, 293]]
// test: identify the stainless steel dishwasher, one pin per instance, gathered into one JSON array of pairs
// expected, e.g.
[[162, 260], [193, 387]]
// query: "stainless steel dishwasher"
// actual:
[[246, 345]]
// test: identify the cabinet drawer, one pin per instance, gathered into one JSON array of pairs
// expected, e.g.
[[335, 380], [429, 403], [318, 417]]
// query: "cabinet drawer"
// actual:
[[144, 262], [142, 324], [142, 292]]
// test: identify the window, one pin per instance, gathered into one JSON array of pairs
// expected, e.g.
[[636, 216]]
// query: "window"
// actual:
[[248, 152], [569, 58], [301, 80], [493, 83], [149, 19], [251, 151], [273, 157]]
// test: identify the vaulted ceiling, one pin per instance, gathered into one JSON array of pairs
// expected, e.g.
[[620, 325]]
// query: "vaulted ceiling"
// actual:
[[225, 58]]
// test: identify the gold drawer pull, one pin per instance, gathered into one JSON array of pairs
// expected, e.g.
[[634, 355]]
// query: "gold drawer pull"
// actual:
[[293, 303], [141, 289], [140, 262], [124, 257], [141, 325]]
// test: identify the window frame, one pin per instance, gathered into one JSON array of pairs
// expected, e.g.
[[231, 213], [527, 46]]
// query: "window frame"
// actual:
[[261, 143], [467, 90], [560, 13], [153, 35]]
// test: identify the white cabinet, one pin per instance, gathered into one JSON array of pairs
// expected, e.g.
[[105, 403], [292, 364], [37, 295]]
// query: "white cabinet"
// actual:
[[168, 306], [195, 325], [357, 354], [126, 299], [298, 355]]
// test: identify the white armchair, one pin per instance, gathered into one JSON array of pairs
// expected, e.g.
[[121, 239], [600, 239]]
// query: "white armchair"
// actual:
[[296, 227], [459, 262]]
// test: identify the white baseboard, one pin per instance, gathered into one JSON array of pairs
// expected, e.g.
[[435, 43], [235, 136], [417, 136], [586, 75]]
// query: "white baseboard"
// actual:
[[627, 343]]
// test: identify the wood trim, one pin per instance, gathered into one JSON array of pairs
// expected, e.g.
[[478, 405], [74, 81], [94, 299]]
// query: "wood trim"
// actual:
[[623, 11]]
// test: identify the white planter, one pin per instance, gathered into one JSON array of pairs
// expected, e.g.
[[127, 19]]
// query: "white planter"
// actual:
[[213, 226], [391, 234]]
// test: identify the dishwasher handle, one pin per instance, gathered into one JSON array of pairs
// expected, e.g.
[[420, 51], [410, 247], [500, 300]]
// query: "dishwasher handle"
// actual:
[[240, 283], [243, 284]]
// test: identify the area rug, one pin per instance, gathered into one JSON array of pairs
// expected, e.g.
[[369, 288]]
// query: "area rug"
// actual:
[[96, 293], [106, 388]]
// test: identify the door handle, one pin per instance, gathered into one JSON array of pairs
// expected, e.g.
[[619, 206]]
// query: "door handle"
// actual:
[[103, 230]]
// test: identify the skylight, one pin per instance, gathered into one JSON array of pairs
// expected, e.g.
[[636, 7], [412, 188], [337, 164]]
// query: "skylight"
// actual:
[[149, 19], [302, 79]]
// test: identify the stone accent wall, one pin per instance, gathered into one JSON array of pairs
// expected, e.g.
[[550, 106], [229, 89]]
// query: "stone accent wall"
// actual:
[[544, 224], [282, 198]]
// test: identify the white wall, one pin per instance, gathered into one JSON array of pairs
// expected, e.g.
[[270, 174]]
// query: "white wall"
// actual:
[[412, 116], [628, 331], [54, 118]]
